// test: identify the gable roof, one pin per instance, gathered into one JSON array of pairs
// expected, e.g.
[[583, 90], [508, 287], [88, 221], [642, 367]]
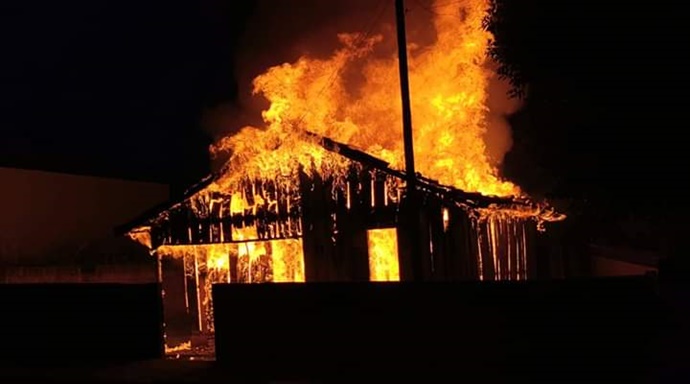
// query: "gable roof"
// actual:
[[472, 199], [156, 210]]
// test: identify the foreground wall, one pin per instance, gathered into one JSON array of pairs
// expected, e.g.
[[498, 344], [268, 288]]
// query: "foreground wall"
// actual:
[[45, 213], [602, 266], [78, 322], [622, 261], [130, 274], [450, 330]]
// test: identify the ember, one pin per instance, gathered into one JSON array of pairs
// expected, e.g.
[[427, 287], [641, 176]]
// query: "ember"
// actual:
[[315, 193], [186, 346]]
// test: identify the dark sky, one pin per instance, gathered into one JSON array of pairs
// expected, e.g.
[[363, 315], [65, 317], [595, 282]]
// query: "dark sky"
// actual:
[[118, 88], [607, 106], [114, 88]]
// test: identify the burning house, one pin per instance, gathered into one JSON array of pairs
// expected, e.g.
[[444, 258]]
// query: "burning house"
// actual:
[[321, 192]]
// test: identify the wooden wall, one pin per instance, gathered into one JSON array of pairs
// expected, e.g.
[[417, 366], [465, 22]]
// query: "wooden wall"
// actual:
[[332, 216]]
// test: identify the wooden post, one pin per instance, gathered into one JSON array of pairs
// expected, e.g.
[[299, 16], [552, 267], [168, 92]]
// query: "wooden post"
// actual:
[[455, 244], [351, 244], [513, 251], [413, 241], [317, 226], [424, 239], [234, 264], [161, 294], [440, 249], [176, 314], [411, 212], [535, 250], [471, 259], [197, 295], [485, 250], [202, 281], [192, 291]]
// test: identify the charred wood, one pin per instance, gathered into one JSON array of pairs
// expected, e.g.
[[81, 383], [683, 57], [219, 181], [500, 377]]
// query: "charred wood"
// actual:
[[317, 241]]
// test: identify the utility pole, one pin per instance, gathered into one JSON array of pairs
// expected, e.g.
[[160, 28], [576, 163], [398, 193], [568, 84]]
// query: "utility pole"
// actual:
[[405, 91], [411, 213]]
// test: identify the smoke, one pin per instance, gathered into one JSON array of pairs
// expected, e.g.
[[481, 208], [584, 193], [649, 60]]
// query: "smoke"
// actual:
[[499, 138], [280, 31]]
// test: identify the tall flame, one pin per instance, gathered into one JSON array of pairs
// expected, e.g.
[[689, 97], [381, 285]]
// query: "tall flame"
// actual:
[[449, 80]]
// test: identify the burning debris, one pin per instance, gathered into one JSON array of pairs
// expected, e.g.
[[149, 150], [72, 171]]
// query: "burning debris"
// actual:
[[316, 193], [185, 346]]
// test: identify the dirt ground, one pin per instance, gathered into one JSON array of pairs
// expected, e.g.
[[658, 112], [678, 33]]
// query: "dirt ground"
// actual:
[[152, 371]]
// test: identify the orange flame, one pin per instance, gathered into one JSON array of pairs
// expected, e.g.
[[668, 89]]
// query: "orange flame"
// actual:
[[383, 255], [449, 80], [185, 346]]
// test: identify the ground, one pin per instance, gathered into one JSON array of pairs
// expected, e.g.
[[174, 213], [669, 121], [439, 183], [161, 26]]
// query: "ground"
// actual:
[[151, 371]]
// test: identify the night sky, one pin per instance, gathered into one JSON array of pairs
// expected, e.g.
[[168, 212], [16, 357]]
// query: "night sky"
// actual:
[[114, 88], [119, 89]]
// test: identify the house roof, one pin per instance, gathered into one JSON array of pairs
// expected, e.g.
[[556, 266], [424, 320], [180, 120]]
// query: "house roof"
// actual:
[[450, 193], [156, 210]]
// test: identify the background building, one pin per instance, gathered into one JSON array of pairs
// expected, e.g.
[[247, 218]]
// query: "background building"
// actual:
[[59, 227]]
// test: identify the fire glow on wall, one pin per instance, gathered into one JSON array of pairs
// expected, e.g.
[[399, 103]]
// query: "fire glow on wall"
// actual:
[[317, 193]]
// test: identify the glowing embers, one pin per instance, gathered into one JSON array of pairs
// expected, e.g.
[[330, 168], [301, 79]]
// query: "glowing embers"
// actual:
[[445, 218], [383, 254], [179, 350]]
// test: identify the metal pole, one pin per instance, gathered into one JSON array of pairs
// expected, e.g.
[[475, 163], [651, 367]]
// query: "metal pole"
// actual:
[[412, 215]]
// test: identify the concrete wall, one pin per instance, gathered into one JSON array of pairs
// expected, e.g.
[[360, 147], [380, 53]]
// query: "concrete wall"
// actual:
[[582, 329], [123, 274], [45, 213], [622, 261], [602, 266], [62, 324]]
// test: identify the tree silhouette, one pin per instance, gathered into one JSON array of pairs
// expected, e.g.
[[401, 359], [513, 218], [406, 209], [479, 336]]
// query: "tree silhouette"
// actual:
[[581, 40], [603, 83]]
